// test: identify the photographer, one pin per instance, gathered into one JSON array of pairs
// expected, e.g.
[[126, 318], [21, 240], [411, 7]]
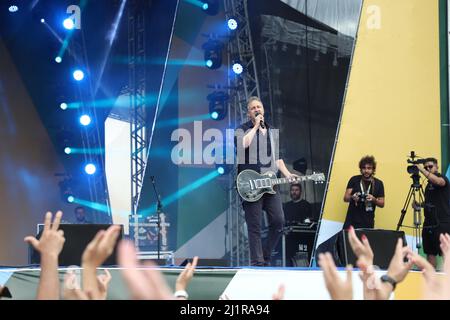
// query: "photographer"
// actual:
[[436, 208], [364, 193]]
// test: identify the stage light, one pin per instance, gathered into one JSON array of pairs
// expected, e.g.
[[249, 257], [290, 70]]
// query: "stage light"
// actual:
[[85, 120], [232, 24], [13, 9], [211, 7], [237, 68], [223, 169], [42, 20], [213, 53], [90, 168], [63, 106], [65, 189], [214, 115], [218, 105], [78, 75], [58, 59], [67, 150], [68, 24]]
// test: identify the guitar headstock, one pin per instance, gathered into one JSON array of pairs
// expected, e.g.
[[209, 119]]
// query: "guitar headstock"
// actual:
[[317, 177]]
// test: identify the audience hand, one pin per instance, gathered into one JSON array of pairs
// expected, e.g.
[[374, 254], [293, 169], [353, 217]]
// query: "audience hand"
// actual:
[[52, 240], [279, 295], [95, 254], [339, 289], [49, 246], [186, 275], [147, 284]]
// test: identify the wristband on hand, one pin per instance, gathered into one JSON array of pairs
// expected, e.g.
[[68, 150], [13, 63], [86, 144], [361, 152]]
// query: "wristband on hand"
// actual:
[[181, 294], [386, 278]]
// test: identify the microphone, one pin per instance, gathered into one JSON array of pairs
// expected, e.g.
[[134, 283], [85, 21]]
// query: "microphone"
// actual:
[[261, 123]]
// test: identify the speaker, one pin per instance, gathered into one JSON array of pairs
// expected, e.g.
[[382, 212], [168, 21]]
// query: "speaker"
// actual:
[[77, 238], [382, 242]]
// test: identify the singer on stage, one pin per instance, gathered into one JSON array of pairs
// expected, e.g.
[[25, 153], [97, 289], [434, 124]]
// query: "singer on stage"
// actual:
[[259, 144]]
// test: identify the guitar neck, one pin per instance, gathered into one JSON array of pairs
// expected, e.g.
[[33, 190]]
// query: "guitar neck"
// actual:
[[285, 180]]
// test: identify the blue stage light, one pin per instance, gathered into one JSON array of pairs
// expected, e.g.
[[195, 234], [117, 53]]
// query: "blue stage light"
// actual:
[[85, 120], [70, 199], [58, 59], [215, 115], [13, 9], [237, 68], [63, 106], [42, 20], [221, 170], [68, 24], [90, 168], [218, 104], [211, 7], [67, 150], [213, 53], [232, 24], [78, 75]]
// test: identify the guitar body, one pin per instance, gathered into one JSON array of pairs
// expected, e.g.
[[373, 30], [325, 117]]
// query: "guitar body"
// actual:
[[252, 185]]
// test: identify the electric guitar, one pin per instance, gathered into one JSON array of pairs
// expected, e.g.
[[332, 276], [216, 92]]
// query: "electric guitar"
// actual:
[[252, 186]]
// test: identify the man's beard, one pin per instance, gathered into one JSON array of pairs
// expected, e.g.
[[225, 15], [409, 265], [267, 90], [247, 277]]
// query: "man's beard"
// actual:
[[368, 177]]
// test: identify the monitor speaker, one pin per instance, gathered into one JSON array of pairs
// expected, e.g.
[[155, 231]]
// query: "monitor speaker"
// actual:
[[382, 242], [77, 238]]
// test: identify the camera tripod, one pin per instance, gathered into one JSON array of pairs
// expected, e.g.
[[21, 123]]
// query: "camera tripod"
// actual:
[[417, 194]]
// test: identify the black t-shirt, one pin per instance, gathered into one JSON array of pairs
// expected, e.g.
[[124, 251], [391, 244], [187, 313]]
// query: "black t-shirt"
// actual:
[[297, 211], [252, 154], [357, 214], [437, 203]]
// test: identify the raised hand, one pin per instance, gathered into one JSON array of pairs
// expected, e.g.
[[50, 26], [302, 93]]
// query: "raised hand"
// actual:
[[398, 269], [338, 289], [361, 249], [279, 295], [436, 288], [101, 247], [52, 240], [103, 281], [147, 284], [445, 245], [186, 275], [364, 255], [49, 246], [95, 254]]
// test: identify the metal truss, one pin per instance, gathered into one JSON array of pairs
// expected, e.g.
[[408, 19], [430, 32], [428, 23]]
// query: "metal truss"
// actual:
[[242, 87], [90, 134], [138, 114]]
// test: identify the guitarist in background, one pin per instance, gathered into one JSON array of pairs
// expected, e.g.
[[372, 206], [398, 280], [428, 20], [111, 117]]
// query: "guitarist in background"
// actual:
[[257, 148]]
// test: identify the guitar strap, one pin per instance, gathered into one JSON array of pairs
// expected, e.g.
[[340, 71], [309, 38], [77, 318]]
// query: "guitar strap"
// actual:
[[272, 150]]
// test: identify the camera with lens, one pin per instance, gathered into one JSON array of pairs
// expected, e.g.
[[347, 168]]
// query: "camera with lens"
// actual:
[[362, 197], [413, 170]]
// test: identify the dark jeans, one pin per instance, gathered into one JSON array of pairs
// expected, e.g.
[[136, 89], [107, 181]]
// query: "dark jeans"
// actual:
[[271, 203]]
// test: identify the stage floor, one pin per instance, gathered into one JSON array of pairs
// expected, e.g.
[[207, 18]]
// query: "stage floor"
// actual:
[[210, 283]]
